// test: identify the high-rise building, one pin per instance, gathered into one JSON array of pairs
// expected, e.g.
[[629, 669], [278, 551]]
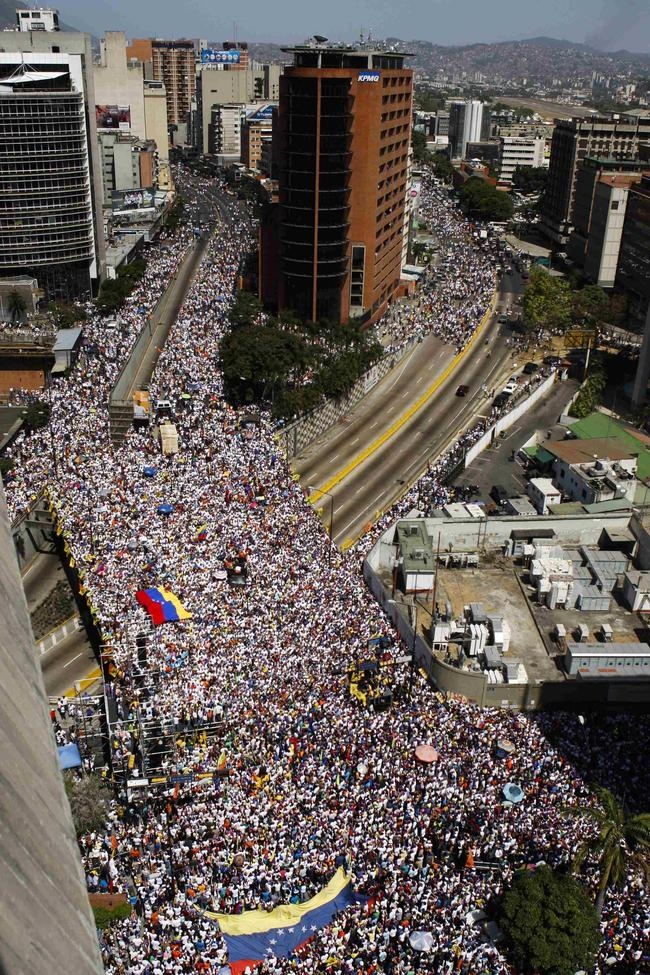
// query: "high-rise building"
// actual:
[[573, 140], [599, 206], [216, 87], [465, 125], [344, 132], [50, 177], [634, 276], [173, 63], [257, 127], [129, 103], [634, 257]]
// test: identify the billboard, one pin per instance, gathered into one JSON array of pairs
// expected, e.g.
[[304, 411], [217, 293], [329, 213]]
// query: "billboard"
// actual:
[[372, 76], [210, 56], [262, 114], [113, 117], [138, 199]]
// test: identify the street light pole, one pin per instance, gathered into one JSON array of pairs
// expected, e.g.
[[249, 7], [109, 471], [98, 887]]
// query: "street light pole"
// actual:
[[318, 491]]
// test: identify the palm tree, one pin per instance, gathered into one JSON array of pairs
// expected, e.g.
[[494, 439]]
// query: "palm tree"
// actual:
[[622, 841]]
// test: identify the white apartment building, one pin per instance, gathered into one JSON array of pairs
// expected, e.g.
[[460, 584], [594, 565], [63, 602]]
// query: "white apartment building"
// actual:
[[515, 151]]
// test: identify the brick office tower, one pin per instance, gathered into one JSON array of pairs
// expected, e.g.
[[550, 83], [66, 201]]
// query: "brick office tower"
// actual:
[[333, 248]]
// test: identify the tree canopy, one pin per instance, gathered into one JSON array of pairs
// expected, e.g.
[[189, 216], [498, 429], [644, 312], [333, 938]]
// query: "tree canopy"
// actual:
[[621, 843], [290, 363], [547, 301], [419, 143], [550, 924], [530, 179], [484, 201]]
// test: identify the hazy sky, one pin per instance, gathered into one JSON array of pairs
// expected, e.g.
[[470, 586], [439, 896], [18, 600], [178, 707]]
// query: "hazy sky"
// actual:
[[608, 24]]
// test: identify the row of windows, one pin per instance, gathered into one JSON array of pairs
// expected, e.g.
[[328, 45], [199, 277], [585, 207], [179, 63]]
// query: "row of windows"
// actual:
[[14, 128], [395, 114], [68, 108], [34, 151], [396, 81], [11, 207], [393, 148], [43, 185], [394, 130], [69, 219], [57, 255], [395, 97]]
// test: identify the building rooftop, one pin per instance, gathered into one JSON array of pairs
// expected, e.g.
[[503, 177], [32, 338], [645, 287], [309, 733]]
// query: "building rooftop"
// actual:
[[603, 425], [586, 451]]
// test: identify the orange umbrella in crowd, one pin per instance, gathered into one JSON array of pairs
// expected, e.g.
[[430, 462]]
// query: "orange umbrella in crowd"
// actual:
[[426, 754]]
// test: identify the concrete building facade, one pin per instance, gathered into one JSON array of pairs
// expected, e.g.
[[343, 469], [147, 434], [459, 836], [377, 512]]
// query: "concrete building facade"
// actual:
[[574, 140], [47, 925], [257, 127], [50, 176], [591, 233], [119, 82], [515, 151], [173, 63], [465, 125], [344, 132]]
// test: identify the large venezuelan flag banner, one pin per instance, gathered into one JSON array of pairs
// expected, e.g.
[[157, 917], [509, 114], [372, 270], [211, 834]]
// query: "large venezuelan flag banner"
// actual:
[[255, 935], [162, 605]]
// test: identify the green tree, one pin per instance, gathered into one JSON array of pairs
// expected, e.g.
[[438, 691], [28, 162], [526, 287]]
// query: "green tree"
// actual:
[[484, 201], [427, 101], [245, 309], [419, 143], [36, 415], [257, 360], [16, 305], [547, 301], [591, 392], [530, 179], [442, 166], [550, 924], [89, 802], [620, 843], [590, 305]]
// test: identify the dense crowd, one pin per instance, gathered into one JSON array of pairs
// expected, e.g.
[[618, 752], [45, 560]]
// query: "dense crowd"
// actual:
[[303, 779], [454, 289]]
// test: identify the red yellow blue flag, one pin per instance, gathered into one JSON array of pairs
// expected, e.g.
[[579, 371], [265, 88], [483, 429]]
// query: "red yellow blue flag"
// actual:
[[162, 605], [255, 935]]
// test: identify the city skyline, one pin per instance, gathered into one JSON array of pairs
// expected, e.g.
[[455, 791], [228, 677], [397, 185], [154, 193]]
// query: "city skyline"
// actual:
[[623, 24]]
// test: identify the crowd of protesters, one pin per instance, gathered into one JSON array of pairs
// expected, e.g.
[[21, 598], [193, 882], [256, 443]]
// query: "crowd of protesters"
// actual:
[[299, 778]]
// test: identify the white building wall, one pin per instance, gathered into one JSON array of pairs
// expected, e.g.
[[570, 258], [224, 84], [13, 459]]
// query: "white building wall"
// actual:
[[118, 82], [515, 152]]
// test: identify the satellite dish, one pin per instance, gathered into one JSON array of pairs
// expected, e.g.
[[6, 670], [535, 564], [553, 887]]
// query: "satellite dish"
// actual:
[[319, 38]]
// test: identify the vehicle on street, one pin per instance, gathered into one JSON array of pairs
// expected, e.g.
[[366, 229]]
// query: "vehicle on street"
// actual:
[[530, 368]]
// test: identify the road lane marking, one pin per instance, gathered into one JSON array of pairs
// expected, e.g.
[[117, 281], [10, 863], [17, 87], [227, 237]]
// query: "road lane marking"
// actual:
[[412, 410], [73, 660]]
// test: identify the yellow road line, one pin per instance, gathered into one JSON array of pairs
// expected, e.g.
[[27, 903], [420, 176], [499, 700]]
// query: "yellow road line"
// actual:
[[419, 403], [85, 682]]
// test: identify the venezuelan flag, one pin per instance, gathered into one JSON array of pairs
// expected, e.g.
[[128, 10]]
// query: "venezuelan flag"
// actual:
[[162, 605], [255, 935]]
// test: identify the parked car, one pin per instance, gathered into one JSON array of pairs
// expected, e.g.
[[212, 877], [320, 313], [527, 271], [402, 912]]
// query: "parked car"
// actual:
[[530, 368]]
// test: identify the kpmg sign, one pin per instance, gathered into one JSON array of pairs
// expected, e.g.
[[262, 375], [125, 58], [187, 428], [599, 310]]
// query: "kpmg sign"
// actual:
[[373, 76], [209, 56]]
